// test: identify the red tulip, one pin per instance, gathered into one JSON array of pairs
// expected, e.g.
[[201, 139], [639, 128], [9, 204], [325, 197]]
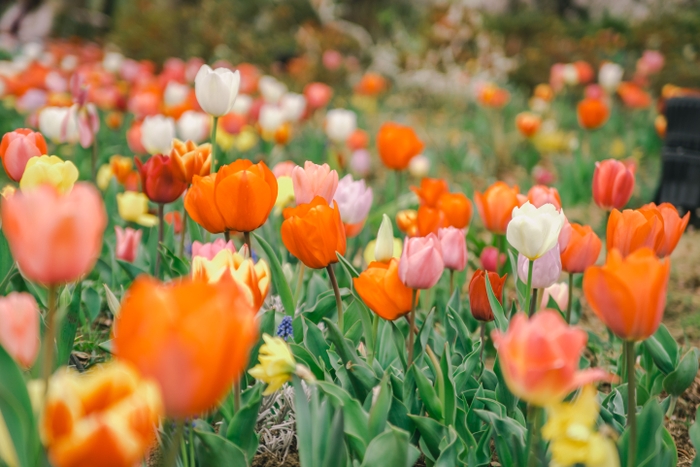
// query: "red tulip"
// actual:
[[159, 179]]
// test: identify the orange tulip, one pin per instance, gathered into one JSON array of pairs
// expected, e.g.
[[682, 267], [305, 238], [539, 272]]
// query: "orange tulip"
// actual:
[[496, 205], [382, 291], [478, 295], [407, 222], [314, 232], [54, 238], [397, 145], [192, 337], [544, 92], [528, 123], [660, 125], [252, 278], [633, 96], [492, 96], [430, 191], [107, 417], [631, 230], [457, 209], [592, 113], [190, 160], [429, 220], [122, 168], [238, 197], [674, 226], [371, 84], [582, 249], [629, 294]]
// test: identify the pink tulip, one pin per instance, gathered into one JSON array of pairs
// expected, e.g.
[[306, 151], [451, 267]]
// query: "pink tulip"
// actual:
[[19, 332], [314, 180], [133, 138], [209, 250], [545, 271], [317, 95], [284, 169], [539, 195], [332, 59], [489, 257], [542, 175], [559, 291], [32, 100], [354, 199], [613, 183], [454, 248], [540, 358], [421, 263], [128, 241], [17, 148], [556, 76], [652, 61], [594, 91], [361, 162], [564, 235]]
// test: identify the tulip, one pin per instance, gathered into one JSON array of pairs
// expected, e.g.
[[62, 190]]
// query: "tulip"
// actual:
[[384, 247], [175, 94], [277, 364], [490, 95], [85, 119], [539, 195], [631, 230], [539, 358], [253, 279], [340, 124], [284, 169], [193, 126], [210, 250], [534, 231], [674, 226], [318, 95], [332, 59], [397, 145], [216, 90], [244, 194], [581, 250], [496, 205], [242, 106], [430, 191], [157, 134], [313, 232], [105, 417], [545, 270], [285, 192], [51, 125], [293, 106], [382, 291], [359, 139], [419, 166], [633, 96], [193, 328], [429, 220], [190, 160], [361, 162], [17, 147], [159, 179], [421, 262], [19, 333], [629, 293], [528, 123], [407, 222], [271, 89], [613, 183], [49, 170], [456, 208], [174, 219], [660, 125], [128, 241], [354, 200], [271, 118], [133, 207], [491, 259], [133, 138], [592, 113], [62, 238], [371, 84], [314, 180], [478, 295], [454, 248], [610, 76], [559, 292], [370, 250]]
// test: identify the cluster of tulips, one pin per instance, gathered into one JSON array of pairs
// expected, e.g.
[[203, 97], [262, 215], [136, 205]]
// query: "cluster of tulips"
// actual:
[[387, 365]]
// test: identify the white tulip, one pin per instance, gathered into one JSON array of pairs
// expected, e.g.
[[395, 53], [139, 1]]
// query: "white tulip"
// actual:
[[69, 63], [112, 61], [157, 134], [534, 231], [570, 74], [216, 90], [293, 105], [193, 126], [610, 76], [419, 166], [271, 90], [340, 123], [271, 117], [51, 125], [175, 93], [384, 247], [242, 105]]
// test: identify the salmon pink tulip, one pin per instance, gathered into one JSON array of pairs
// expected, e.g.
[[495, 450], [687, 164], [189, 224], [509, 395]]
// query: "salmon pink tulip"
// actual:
[[128, 241], [314, 180], [19, 333], [613, 183], [454, 248], [17, 147]]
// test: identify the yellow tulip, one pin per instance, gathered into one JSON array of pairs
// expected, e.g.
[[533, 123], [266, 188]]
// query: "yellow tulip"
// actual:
[[104, 176], [285, 192], [133, 207], [246, 139], [277, 364], [50, 170]]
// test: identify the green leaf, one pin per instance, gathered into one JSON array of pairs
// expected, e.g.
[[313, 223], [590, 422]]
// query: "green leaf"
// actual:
[[391, 448], [69, 328], [241, 428], [694, 433], [304, 424], [335, 456], [663, 349], [93, 303], [131, 270], [278, 279], [431, 431], [682, 377], [216, 451], [428, 395], [496, 307], [448, 396], [448, 456], [352, 272], [379, 412]]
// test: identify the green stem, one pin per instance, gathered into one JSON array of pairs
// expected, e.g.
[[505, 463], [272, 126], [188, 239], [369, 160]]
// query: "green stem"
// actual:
[[571, 296], [672, 406], [533, 306], [452, 281], [398, 185], [227, 235], [375, 331], [237, 396], [483, 342], [631, 403], [528, 303], [534, 415], [49, 337], [246, 237], [338, 300], [300, 281], [161, 229], [183, 452], [93, 159], [8, 276], [190, 431], [214, 152], [500, 243], [171, 454], [411, 324], [183, 232]]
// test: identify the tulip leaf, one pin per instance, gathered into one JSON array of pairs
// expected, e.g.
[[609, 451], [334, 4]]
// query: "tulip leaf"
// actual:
[[654, 448], [694, 433], [131, 270], [93, 303], [6, 260], [69, 327], [496, 307], [241, 428], [663, 349], [431, 432], [448, 397], [349, 268], [428, 395], [391, 448], [448, 456], [278, 279], [683, 376], [304, 424], [379, 412], [216, 451]]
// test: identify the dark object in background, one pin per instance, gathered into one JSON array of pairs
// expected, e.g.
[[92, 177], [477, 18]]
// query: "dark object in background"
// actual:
[[680, 157]]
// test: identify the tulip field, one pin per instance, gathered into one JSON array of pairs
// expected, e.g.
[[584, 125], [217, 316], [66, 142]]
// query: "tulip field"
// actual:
[[210, 264]]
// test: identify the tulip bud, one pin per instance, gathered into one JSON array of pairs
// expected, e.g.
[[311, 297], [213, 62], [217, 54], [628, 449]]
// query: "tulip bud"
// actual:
[[545, 270], [454, 248], [613, 183], [128, 241], [216, 90], [361, 162], [19, 333], [314, 180], [421, 262], [293, 106], [610, 76], [384, 248], [157, 134]]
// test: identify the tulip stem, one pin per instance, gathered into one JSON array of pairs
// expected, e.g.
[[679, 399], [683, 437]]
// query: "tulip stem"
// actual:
[[174, 447], [533, 304], [499, 241], [571, 295], [246, 238], [375, 331], [338, 300], [631, 403], [483, 342], [236, 396], [398, 186], [411, 324], [183, 451], [300, 281], [227, 235], [161, 228], [8, 276], [534, 415], [215, 124], [193, 462], [452, 282], [183, 231], [93, 160], [528, 303], [49, 336]]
